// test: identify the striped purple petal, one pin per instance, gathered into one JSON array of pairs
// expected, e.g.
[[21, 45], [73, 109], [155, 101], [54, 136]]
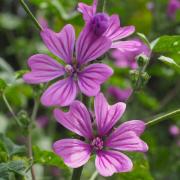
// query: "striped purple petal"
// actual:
[[90, 79], [43, 69], [61, 44], [61, 93]]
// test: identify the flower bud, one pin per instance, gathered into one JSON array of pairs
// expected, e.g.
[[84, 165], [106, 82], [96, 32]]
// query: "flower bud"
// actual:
[[145, 78], [142, 60], [134, 75], [24, 118]]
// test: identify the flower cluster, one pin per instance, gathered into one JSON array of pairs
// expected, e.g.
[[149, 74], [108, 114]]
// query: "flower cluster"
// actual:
[[76, 71]]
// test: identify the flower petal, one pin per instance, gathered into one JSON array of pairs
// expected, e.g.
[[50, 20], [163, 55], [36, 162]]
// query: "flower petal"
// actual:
[[115, 32], [61, 93], [62, 43], [75, 153], [43, 69], [89, 46], [87, 11], [90, 79], [125, 138], [76, 120], [126, 45], [106, 115], [136, 126], [110, 162]]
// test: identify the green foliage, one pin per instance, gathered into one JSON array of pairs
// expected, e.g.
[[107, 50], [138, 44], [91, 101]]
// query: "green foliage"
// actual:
[[10, 147], [48, 158], [167, 44], [170, 62]]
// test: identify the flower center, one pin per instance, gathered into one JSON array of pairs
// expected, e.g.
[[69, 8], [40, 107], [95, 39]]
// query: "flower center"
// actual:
[[100, 23], [69, 69], [97, 143]]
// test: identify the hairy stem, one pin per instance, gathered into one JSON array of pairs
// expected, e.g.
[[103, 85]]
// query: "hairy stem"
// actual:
[[33, 118], [10, 109], [77, 173], [26, 8], [101, 6], [163, 117]]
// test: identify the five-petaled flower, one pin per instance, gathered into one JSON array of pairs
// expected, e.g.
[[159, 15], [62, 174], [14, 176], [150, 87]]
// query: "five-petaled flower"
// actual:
[[79, 73], [105, 143], [108, 26]]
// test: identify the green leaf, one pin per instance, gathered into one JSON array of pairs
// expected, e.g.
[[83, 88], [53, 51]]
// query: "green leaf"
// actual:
[[10, 147], [144, 38], [17, 166], [168, 44], [140, 169], [48, 158], [168, 61], [4, 171]]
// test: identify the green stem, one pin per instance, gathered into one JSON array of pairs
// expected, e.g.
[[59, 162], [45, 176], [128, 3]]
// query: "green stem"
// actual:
[[77, 173], [163, 117], [94, 176], [33, 118], [101, 6], [26, 8], [10, 109]]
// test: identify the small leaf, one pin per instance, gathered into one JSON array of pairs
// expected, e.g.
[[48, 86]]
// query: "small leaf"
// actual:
[[144, 38], [168, 61]]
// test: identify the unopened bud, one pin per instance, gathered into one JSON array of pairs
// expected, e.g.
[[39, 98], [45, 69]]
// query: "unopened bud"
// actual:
[[142, 60], [24, 118], [134, 75], [145, 78]]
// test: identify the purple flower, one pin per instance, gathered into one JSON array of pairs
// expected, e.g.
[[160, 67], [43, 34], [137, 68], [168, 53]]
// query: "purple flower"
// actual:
[[128, 58], [174, 130], [76, 75], [173, 6], [120, 94], [105, 143], [108, 26]]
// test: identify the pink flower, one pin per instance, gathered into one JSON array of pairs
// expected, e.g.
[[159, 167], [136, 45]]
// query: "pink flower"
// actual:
[[105, 144], [120, 94], [108, 26], [76, 75], [174, 130], [173, 6], [128, 58]]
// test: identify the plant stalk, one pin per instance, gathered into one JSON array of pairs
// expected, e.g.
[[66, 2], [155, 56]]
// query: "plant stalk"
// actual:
[[77, 173], [163, 117], [10, 109], [26, 8], [33, 118], [101, 6]]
